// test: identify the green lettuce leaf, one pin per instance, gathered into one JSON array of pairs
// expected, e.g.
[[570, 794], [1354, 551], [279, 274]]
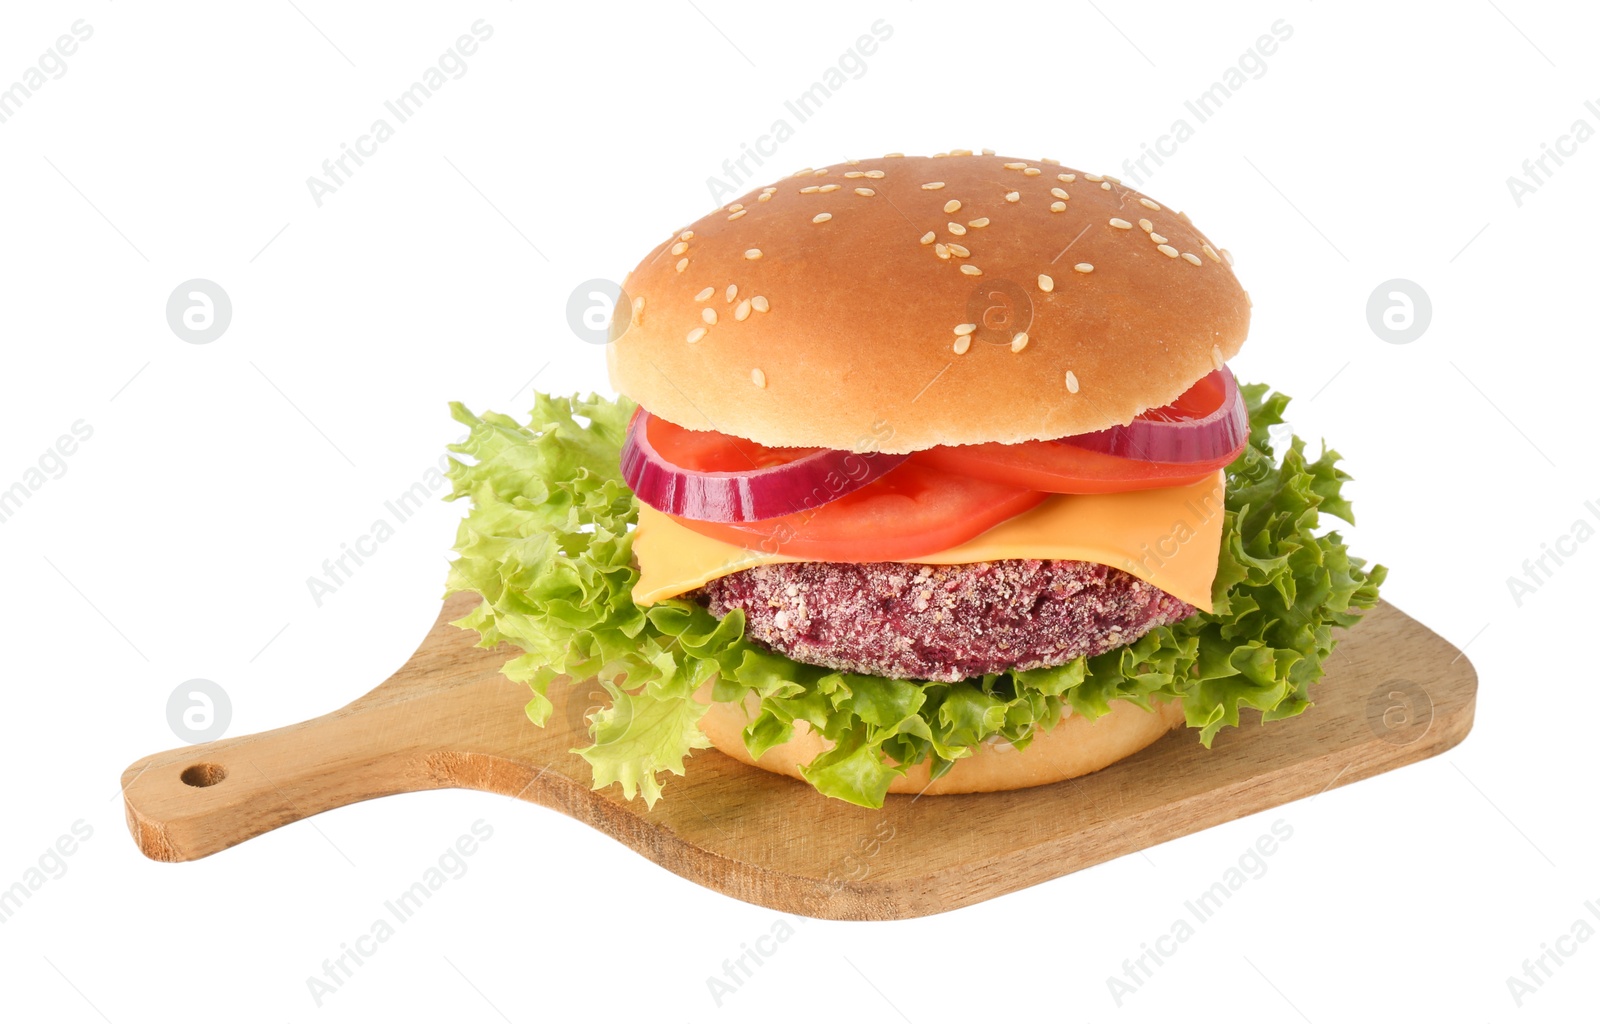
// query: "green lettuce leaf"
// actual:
[[547, 544]]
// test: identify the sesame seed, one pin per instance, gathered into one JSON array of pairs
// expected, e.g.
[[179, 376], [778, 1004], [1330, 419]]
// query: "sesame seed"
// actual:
[[821, 218], [865, 192], [931, 185], [1017, 166], [938, 155], [742, 310], [803, 170], [680, 248], [1072, 382], [1216, 357], [952, 206], [966, 328], [686, 236], [1012, 197], [1068, 178], [1113, 177], [1184, 217], [696, 334], [959, 250], [1019, 341], [1145, 225], [1106, 185], [1047, 283], [1158, 239], [956, 229], [736, 207], [830, 187], [758, 378], [980, 222], [1093, 177], [970, 270], [925, 239], [874, 174], [1191, 257], [891, 156], [1226, 256], [1167, 250], [1210, 252], [942, 250], [1083, 268], [759, 303], [1118, 222], [1060, 193], [819, 172], [763, 197], [962, 344], [854, 174], [810, 189], [709, 315], [638, 307], [735, 215], [1150, 203], [770, 188], [752, 254], [1031, 171], [988, 152], [683, 264], [704, 293], [732, 291], [961, 152], [1058, 207]]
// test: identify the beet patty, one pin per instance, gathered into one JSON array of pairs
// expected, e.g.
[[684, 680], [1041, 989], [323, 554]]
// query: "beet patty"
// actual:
[[941, 622]]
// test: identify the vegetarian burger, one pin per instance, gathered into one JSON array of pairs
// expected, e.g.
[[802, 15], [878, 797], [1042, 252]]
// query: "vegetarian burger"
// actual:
[[930, 477]]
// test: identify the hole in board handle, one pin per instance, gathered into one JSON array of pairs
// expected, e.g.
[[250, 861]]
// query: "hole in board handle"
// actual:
[[202, 775]]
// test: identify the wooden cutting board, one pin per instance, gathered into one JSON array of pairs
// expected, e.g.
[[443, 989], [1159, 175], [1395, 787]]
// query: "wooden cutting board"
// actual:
[[1395, 693]]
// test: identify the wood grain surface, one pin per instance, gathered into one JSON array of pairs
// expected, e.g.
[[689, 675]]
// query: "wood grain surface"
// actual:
[[1395, 693]]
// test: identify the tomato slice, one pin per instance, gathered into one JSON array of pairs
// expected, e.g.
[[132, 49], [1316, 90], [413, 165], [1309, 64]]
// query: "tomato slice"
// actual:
[[914, 510], [1199, 433], [1203, 398], [708, 451], [1060, 468]]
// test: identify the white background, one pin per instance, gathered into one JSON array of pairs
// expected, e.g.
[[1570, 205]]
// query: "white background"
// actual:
[[177, 543]]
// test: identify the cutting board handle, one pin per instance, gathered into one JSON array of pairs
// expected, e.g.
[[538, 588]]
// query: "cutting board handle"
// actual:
[[193, 801], [446, 718]]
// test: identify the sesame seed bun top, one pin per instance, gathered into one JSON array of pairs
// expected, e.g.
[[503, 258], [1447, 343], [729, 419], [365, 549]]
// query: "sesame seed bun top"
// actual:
[[899, 303]]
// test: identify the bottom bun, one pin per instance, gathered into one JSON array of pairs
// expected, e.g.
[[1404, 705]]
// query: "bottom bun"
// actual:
[[1076, 746]]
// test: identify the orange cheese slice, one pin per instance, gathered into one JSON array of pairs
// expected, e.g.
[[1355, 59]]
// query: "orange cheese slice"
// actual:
[[1168, 537]]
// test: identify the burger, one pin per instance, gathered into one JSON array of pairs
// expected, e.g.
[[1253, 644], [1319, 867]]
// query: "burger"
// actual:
[[927, 475]]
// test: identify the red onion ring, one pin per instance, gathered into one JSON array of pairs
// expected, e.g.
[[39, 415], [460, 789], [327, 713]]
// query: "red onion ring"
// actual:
[[1171, 435], [722, 497]]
